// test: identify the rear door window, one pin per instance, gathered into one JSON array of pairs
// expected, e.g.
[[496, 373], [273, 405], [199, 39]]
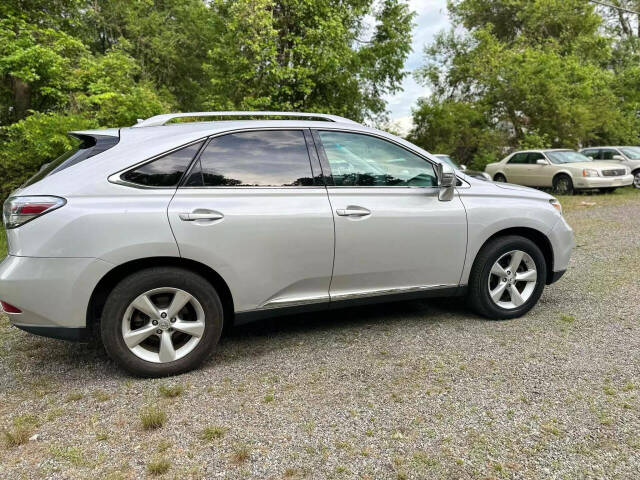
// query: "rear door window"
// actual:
[[269, 158], [518, 158], [608, 153], [533, 157], [165, 171]]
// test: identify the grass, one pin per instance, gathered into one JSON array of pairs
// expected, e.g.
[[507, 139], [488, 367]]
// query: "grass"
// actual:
[[152, 418], [591, 200], [213, 433], [20, 431], [158, 466], [240, 454], [171, 391]]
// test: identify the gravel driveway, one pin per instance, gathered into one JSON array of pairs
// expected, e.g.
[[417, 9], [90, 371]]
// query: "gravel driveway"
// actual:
[[421, 389]]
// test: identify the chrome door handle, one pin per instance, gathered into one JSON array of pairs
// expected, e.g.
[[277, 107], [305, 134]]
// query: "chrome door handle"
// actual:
[[209, 215], [353, 211]]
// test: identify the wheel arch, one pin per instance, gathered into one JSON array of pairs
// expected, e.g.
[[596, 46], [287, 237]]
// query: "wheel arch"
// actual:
[[558, 174], [537, 237], [119, 272]]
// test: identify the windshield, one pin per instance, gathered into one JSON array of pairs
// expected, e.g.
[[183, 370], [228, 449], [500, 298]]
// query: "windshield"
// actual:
[[567, 156], [449, 160], [632, 152]]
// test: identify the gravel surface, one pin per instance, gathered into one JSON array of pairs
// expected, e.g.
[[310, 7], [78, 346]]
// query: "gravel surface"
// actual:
[[420, 389]]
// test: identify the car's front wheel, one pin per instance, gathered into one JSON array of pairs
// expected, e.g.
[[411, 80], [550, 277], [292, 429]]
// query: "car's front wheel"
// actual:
[[507, 278], [636, 179], [563, 185], [161, 321]]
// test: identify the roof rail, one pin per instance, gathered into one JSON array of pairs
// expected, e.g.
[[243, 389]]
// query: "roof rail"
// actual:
[[164, 118]]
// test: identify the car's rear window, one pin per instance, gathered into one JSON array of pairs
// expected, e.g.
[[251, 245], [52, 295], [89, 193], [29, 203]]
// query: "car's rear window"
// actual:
[[87, 146]]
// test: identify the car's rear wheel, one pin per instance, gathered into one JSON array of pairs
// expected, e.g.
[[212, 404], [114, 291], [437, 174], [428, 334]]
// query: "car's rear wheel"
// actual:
[[507, 278], [499, 178], [563, 185], [161, 321]]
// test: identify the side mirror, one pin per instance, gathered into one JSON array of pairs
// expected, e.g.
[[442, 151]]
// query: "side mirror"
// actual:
[[446, 181], [620, 158], [541, 161], [463, 168]]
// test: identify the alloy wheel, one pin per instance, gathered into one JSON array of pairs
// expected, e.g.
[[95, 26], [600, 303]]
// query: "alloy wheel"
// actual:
[[512, 280], [163, 325], [636, 180]]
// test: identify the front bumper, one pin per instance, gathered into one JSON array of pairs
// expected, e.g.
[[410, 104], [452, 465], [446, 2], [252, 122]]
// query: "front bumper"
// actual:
[[603, 182], [52, 293], [562, 242]]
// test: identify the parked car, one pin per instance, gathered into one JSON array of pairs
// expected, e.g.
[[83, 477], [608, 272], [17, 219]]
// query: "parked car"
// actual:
[[472, 173], [564, 170], [155, 236], [628, 156]]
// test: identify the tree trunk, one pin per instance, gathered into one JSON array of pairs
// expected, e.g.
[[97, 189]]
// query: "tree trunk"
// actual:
[[21, 97]]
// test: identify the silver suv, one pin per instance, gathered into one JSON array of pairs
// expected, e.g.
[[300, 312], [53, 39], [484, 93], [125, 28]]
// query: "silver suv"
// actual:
[[156, 236]]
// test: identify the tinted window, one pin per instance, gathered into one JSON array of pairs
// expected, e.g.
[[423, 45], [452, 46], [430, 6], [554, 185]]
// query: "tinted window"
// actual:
[[275, 158], [533, 157], [89, 146], [591, 153], [608, 153], [365, 161], [165, 171], [518, 158]]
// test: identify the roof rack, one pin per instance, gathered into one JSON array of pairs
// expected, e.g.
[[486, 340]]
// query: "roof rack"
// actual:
[[164, 118]]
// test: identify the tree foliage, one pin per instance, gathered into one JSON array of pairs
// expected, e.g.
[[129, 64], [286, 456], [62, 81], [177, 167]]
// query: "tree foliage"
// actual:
[[535, 73], [69, 62]]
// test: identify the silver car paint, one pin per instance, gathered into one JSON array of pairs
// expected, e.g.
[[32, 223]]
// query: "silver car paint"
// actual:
[[274, 251]]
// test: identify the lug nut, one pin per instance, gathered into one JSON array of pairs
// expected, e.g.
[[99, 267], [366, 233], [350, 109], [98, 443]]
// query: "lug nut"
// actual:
[[504, 279], [173, 320], [159, 332], [155, 322], [163, 315]]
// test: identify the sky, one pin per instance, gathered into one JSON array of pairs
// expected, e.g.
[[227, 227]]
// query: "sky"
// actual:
[[431, 17]]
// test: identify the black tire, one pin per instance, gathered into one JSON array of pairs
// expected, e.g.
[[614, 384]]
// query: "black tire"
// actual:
[[479, 297], [636, 179], [608, 189], [499, 178], [563, 185], [160, 277]]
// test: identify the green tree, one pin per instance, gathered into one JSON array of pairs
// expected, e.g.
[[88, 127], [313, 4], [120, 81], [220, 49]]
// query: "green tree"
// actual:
[[539, 68]]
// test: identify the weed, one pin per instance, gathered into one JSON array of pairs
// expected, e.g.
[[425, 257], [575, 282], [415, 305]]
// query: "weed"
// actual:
[[158, 466], [213, 433], [152, 418], [171, 391]]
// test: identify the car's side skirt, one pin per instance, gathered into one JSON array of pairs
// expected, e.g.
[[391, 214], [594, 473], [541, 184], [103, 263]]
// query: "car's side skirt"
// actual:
[[351, 300]]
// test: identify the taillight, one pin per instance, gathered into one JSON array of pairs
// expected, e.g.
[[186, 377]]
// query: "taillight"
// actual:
[[20, 210], [8, 308]]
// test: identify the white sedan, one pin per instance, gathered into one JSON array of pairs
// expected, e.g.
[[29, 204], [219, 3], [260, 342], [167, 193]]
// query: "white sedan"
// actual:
[[564, 170]]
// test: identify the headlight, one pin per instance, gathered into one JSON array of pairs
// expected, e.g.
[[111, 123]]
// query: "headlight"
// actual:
[[556, 204], [589, 172]]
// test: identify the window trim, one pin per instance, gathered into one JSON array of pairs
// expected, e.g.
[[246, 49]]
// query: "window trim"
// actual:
[[209, 139], [116, 177], [326, 167]]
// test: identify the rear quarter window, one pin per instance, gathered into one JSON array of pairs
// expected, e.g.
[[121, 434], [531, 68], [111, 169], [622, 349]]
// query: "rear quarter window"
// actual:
[[165, 171]]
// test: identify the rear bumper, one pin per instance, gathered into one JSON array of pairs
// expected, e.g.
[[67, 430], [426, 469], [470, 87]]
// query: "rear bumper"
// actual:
[[61, 333], [52, 293], [603, 182]]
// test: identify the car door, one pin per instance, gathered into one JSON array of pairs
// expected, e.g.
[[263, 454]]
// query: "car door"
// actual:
[[516, 168], [392, 233], [253, 210], [537, 175]]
